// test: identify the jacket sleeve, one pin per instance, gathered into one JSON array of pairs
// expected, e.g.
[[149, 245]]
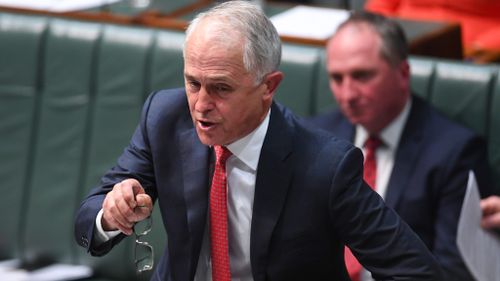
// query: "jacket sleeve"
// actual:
[[135, 162], [380, 240]]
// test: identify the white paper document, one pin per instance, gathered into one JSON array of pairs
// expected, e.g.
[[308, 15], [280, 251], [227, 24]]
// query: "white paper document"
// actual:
[[10, 271], [309, 22], [55, 5], [480, 248]]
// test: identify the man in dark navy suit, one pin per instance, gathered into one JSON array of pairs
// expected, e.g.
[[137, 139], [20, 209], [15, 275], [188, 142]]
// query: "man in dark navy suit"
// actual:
[[295, 196], [422, 160]]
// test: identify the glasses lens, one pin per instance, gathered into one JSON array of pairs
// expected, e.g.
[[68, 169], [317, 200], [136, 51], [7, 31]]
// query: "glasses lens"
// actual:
[[143, 256], [143, 227]]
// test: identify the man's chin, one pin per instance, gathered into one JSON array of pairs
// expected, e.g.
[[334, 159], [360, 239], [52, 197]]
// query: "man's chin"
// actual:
[[208, 139], [354, 120]]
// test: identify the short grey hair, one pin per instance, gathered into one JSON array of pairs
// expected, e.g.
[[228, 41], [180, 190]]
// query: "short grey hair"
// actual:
[[394, 47], [262, 46]]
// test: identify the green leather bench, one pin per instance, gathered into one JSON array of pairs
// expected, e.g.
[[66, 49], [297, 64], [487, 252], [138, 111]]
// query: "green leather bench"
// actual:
[[70, 97]]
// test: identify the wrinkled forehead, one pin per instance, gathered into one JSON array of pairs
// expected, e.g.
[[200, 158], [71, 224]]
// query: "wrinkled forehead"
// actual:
[[216, 30], [212, 40]]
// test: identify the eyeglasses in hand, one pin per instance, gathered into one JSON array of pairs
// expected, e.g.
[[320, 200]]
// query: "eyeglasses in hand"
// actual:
[[143, 254]]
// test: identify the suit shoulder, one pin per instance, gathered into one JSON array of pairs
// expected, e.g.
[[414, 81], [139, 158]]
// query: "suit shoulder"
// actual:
[[168, 97], [321, 139], [327, 120], [444, 128], [166, 103]]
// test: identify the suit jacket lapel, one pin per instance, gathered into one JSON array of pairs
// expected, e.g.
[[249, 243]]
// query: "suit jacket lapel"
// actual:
[[272, 183], [406, 155], [195, 162]]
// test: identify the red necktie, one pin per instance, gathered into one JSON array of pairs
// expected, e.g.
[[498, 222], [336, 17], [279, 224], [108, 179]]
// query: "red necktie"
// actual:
[[370, 170], [370, 176], [218, 218]]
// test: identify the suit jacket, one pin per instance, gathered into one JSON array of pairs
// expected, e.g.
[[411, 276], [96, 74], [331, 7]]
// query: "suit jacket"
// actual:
[[428, 181], [309, 201]]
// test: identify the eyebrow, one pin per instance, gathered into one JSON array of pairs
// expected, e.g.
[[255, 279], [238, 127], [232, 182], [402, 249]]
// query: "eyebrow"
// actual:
[[212, 79]]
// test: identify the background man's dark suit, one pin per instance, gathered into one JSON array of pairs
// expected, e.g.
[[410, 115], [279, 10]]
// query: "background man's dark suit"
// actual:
[[309, 199], [427, 184]]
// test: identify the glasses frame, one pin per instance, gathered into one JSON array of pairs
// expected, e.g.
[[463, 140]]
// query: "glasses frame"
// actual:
[[144, 244]]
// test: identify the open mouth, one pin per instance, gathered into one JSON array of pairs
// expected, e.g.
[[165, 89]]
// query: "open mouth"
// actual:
[[206, 124]]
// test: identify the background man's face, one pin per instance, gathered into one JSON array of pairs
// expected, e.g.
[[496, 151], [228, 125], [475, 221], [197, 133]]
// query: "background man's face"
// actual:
[[369, 90]]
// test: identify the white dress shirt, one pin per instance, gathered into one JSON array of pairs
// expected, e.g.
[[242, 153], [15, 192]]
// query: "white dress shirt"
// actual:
[[241, 170], [384, 155]]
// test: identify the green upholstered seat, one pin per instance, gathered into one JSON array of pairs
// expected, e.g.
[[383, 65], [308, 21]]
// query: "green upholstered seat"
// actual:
[[462, 92], [119, 85], [299, 63], [65, 91], [422, 75], [167, 65], [323, 97], [20, 41]]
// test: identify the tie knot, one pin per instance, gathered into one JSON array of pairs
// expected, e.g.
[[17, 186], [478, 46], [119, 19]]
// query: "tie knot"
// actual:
[[221, 154], [372, 143]]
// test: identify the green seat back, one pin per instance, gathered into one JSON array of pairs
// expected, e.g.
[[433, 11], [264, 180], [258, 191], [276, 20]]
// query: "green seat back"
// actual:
[[462, 92], [299, 63], [20, 40], [422, 74], [324, 97], [167, 65], [69, 55]]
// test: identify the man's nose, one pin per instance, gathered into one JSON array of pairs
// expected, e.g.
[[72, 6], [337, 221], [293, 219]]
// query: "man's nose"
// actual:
[[349, 90], [204, 102]]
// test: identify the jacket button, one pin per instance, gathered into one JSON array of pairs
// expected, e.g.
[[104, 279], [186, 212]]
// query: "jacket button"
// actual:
[[85, 241]]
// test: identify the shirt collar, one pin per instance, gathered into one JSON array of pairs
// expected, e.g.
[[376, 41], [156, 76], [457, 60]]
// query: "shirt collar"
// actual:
[[391, 134], [247, 149]]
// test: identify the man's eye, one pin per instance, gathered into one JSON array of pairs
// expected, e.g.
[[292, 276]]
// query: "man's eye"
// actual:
[[221, 88], [193, 85], [362, 76], [336, 78]]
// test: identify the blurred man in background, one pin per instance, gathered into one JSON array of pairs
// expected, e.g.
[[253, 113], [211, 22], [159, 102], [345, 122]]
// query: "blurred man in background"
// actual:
[[415, 158]]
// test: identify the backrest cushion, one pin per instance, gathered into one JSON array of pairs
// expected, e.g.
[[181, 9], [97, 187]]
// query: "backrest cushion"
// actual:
[[422, 76], [69, 56], [21, 38], [296, 91], [462, 92]]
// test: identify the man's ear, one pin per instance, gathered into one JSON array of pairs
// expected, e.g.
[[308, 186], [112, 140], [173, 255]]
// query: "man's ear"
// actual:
[[404, 72], [272, 81], [404, 69]]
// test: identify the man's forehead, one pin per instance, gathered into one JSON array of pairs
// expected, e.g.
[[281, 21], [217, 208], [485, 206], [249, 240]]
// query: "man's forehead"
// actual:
[[216, 30]]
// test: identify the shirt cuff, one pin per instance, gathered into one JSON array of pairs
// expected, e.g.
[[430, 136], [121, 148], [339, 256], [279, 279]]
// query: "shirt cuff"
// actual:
[[100, 234]]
